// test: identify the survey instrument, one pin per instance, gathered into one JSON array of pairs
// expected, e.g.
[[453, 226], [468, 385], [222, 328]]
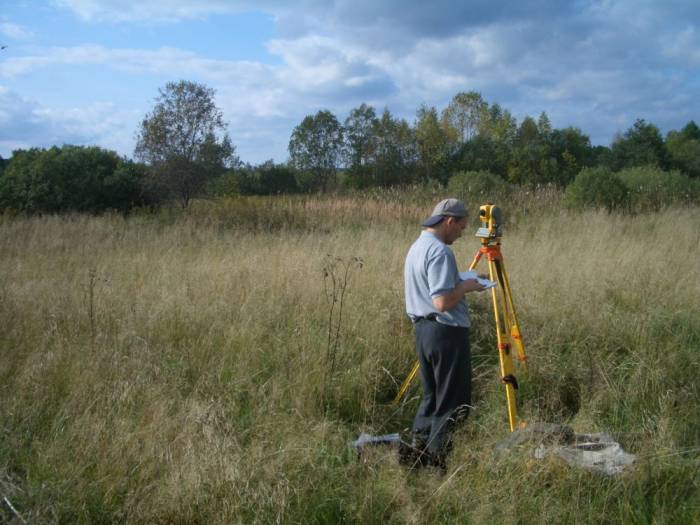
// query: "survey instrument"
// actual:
[[508, 336]]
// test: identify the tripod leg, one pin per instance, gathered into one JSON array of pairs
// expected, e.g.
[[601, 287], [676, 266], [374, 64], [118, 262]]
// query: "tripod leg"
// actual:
[[406, 383], [504, 351], [513, 319], [475, 261]]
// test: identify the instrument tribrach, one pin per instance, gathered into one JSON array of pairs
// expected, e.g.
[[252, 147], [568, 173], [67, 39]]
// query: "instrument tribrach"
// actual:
[[507, 329]]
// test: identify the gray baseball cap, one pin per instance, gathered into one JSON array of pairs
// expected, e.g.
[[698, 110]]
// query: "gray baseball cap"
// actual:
[[445, 208]]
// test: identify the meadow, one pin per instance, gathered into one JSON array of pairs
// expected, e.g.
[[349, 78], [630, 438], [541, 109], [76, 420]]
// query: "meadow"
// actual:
[[211, 365]]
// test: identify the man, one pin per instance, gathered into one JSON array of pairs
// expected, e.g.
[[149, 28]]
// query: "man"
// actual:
[[436, 304]]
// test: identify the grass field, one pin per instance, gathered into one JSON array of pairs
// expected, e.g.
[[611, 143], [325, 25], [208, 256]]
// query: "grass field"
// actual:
[[199, 367]]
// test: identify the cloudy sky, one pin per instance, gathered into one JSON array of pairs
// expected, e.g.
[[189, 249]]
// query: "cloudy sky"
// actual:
[[87, 71]]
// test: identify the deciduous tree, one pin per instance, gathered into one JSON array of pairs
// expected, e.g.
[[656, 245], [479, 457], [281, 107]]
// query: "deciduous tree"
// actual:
[[184, 140], [359, 135], [316, 146], [684, 149], [464, 114], [361, 145], [641, 145], [396, 151], [573, 152], [433, 144]]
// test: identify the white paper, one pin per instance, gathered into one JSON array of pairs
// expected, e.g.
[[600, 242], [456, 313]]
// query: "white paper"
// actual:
[[473, 275]]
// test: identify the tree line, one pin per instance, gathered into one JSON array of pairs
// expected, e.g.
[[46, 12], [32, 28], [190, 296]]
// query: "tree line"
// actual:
[[183, 151], [472, 135]]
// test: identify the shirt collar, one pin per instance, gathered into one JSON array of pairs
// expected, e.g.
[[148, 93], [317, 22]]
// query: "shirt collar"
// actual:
[[426, 233]]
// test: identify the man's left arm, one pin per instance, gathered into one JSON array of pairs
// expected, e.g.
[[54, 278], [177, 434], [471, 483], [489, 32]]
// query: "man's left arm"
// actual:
[[449, 300]]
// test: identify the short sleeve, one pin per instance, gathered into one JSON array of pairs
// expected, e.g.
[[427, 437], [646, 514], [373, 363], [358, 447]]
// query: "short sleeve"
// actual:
[[441, 275]]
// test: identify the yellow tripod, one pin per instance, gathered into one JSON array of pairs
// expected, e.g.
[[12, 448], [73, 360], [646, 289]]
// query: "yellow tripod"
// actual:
[[507, 328]]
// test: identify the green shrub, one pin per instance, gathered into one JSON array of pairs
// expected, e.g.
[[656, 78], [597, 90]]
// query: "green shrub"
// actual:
[[482, 184], [306, 181], [266, 179], [71, 178], [597, 187], [357, 178], [225, 185], [274, 179], [650, 188]]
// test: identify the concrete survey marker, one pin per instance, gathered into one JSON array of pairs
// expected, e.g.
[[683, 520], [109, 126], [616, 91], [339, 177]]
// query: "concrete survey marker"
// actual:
[[597, 452]]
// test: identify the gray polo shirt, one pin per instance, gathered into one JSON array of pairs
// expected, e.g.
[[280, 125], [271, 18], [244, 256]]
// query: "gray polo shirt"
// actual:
[[430, 271]]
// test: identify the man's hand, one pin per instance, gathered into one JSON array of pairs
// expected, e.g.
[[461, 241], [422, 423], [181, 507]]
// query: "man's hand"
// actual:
[[472, 285]]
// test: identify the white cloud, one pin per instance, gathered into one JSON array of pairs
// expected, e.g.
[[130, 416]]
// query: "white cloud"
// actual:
[[167, 61], [591, 64], [91, 54], [25, 123], [313, 68], [316, 66], [248, 92], [14, 108], [684, 47], [14, 31], [149, 10]]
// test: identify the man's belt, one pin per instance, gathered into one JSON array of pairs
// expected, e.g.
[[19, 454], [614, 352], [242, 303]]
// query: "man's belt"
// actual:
[[429, 317]]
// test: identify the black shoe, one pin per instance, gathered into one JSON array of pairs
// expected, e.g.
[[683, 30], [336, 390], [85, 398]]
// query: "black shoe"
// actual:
[[439, 462], [407, 454], [412, 457]]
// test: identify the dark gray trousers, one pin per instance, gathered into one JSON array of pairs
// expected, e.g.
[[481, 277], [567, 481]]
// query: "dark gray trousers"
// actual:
[[446, 375]]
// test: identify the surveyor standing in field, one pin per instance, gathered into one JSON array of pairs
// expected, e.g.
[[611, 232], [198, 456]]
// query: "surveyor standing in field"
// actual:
[[437, 307]]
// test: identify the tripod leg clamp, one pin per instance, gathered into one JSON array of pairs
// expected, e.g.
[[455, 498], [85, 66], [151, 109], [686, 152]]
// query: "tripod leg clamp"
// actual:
[[510, 380]]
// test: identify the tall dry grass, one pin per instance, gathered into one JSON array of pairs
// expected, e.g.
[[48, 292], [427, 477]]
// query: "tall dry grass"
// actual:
[[173, 368]]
